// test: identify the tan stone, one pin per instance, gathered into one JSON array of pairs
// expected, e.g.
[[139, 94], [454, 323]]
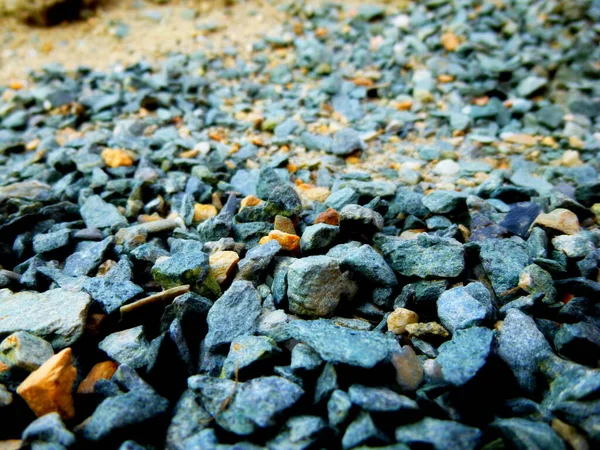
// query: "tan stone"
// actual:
[[204, 212], [409, 371], [289, 242], [426, 329], [570, 158], [250, 200], [223, 264], [314, 193], [102, 370], [284, 224], [560, 219], [570, 434], [450, 41], [49, 388], [330, 216], [399, 318], [519, 138], [11, 444], [116, 157]]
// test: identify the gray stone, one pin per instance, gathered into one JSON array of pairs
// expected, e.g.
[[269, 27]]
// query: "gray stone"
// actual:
[[465, 355], [523, 434], [379, 399], [49, 428], [457, 309], [370, 265], [87, 257], [256, 403], [345, 142], [530, 85], [316, 285], [111, 294], [318, 237], [254, 265], [57, 315], [187, 267], [119, 412], [233, 315], [503, 261], [521, 345], [359, 219], [425, 257], [342, 345], [298, 433], [361, 430], [342, 197], [443, 202], [129, 347], [97, 213], [25, 351], [439, 435], [247, 350], [577, 246], [47, 242], [305, 358]]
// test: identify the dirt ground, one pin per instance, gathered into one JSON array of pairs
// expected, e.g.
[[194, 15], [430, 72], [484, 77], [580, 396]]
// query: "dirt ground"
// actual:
[[125, 31]]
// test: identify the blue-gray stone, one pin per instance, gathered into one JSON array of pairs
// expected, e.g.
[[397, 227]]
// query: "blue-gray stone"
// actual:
[[233, 315], [129, 347], [443, 202], [346, 142], [342, 197], [425, 257], [47, 242], [522, 346], [458, 309], [318, 238], [316, 285], [256, 403], [360, 219], [316, 142], [305, 358], [361, 430], [523, 434], [465, 355], [530, 85], [87, 257], [503, 261], [117, 413], [298, 433], [111, 294], [580, 342], [342, 345], [326, 383], [247, 350], [380, 399], [97, 213], [370, 265], [50, 429], [189, 418], [338, 408], [440, 435], [253, 267]]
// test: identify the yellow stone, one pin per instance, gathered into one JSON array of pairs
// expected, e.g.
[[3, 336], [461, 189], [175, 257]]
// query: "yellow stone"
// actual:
[[519, 138], [250, 200], [284, 224], [223, 264], [570, 158], [49, 388], [596, 211], [450, 41], [575, 142], [289, 242], [314, 193], [116, 157], [399, 318], [426, 329], [204, 212], [560, 219], [570, 434]]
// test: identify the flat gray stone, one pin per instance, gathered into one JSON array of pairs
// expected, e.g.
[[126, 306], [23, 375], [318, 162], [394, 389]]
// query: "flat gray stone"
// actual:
[[57, 316]]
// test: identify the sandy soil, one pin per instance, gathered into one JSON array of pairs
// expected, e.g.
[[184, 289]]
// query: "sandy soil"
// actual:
[[152, 32]]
